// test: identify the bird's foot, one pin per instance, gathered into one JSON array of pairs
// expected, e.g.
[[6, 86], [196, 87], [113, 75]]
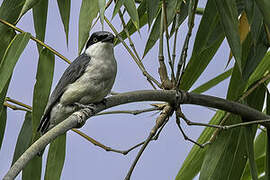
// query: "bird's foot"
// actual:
[[83, 106]]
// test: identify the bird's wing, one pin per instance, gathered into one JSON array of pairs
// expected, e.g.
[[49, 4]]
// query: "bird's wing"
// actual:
[[71, 74]]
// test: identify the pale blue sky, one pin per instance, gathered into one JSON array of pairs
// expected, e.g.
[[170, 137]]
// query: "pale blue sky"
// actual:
[[161, 160]]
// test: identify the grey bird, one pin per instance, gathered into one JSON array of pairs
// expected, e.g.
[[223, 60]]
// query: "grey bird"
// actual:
[[88, 79]]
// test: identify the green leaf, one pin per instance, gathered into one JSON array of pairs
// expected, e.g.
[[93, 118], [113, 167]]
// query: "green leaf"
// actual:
[[11, 57], [27, 6], [229, 19], [183, 9], [152, 10], [255, 19], [155, 31], [226, 156], [101, 5], [193, 162], [32, 170], [42, 87], [132, 11], [213, 82], [3, 119], [250, 150], [89, 10], [24, 139], [256, 54], [9, 11], [264, 6], [260, 162], [117, 7], [259, 145], [267, 158], [64, 8], [208, 39], [3, 112], [130, 26], [40, 20], [56, 158]]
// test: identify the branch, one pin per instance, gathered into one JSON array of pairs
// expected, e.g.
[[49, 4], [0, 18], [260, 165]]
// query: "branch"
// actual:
[[169, 96], [36, 40]]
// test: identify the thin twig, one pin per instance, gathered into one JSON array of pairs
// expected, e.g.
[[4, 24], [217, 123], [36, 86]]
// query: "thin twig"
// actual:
[[167, 42], [162, 70], [36, 40], [163, 118], [133, 112], [132, 44], [175, 38], [183, 57], [13, 107], [140, 65], [18, 103]]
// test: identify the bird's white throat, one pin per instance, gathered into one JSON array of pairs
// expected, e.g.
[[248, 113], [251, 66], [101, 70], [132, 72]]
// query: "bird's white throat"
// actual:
[[100, 49]]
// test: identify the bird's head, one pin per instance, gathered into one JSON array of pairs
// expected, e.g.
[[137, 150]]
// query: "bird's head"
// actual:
[[99, 41]]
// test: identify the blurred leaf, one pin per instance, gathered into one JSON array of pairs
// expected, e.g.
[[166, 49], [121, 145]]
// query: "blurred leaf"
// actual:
[[40, 20], [154, 34], [193, 162], [267, 158], [3, 119], [32, 170], [28, 4], [42, 87], [56, 158], [264, 6], [117, 7], [213, 82], [259, 145], [152, 10], [260, 162], [261, 70], [130, 26], [243, 28], [24, 139], [208, 39], [89, 10], [11, 57], [229, 19], [250, 150], [9, 11], [64, 8], [101, 5], [255, 19], [256, 54]]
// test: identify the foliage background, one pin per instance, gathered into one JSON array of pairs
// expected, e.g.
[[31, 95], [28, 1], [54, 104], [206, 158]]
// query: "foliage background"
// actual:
[[162, 159]]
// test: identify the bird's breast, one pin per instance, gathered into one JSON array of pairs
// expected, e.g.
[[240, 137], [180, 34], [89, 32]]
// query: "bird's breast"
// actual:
[[95, 83]]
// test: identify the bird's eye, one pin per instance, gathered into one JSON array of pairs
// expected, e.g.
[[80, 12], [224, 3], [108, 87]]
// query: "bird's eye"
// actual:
[[95, 39]]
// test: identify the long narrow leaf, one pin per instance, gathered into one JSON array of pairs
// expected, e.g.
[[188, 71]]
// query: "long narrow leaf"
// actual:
[[213, 82], [56, 158], [193, 162], [250, 151], [101, 6], [11, 57], [3, 119], [28, 4], [152, 9], [24, 139], [64, 8], [267, 159], [229, 19], [132, 11], [264, 6], [42, 87], [89, 10], [40, 12], [208, 39]]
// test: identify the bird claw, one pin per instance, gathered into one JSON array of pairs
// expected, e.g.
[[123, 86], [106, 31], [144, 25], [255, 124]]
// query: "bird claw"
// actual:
[[83, 106]]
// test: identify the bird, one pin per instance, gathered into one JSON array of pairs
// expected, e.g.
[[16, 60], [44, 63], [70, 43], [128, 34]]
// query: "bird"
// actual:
[[87, 80]]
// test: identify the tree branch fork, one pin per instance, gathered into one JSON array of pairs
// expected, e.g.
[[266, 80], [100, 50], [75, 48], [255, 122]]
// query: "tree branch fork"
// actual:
[[170, 96]]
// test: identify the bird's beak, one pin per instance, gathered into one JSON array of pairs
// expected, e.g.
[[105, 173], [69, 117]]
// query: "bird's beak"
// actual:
[[109, 38]]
